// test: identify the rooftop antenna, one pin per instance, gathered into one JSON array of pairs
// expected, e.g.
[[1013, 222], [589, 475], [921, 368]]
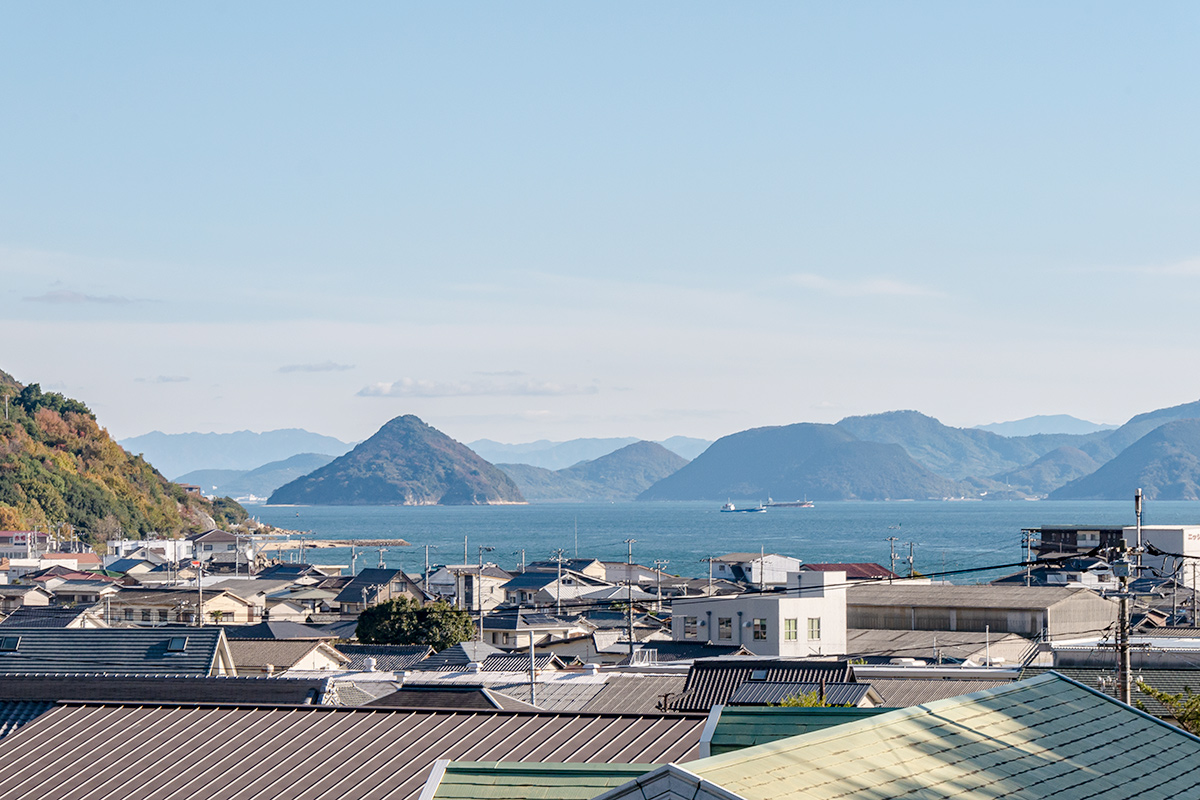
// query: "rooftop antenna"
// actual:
[[382, 550], [558, 557], [710, 561]]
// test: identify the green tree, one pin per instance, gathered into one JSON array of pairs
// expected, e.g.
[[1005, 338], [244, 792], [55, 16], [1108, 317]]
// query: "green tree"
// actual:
[[406, 621], [1184, 707], [806, 700]]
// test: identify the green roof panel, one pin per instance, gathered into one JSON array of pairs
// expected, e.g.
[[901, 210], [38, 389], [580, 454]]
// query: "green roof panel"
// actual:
[[492, 780]]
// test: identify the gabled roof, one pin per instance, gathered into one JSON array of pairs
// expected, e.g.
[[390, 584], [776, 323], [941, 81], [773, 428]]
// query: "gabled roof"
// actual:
[[539, 579], [252, 655], [276, 629], [738, 727], [856, 571], [518, 620], [43, 616], [1104, 679], [712, 682], [1047, 737], [292, 753], [363, 584], [173, 650], [388, 657], [163, 689]]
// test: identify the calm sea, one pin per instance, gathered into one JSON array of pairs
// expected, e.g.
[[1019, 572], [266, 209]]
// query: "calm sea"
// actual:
[[945, 535]]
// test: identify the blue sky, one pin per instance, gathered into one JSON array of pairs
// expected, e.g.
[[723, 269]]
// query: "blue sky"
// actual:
[[555, 220]]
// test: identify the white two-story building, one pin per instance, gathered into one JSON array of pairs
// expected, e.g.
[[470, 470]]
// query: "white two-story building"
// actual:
[[808, 619]]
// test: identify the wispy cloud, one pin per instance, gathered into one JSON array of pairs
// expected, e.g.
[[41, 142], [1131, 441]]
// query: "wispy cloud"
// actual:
[[410, 387], [324, 366], [510, 373], [885, 287], [68, 297], [1187, 268], [164, 379]]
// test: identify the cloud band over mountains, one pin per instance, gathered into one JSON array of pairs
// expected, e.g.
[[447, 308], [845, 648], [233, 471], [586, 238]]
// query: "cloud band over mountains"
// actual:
[[411, 387]]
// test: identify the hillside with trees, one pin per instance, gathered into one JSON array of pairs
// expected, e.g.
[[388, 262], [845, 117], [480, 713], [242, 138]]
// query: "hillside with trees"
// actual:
[[61, 471], [621, 475]]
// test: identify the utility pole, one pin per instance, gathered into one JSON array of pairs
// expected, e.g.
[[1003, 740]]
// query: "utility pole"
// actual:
[[892, 541], [425, 582], [1122, 568], [629, 577], [522, 552], [659, 563], [762, 563], [912, 546], [465, 549], [577, 537], [382, 550], [1137, 511], [1193, 619], [479, 588], [1027, 543], [558, 557]]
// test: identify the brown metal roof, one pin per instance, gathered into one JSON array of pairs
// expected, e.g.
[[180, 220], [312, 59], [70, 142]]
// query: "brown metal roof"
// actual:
[[714, 681], [94, 751]]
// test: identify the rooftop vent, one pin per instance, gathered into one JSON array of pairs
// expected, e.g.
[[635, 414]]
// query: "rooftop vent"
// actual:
[[758, 675], [177, 644], [9, 644]]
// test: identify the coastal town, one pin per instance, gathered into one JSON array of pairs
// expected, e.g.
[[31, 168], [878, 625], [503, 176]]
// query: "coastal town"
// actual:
[[579, 678]]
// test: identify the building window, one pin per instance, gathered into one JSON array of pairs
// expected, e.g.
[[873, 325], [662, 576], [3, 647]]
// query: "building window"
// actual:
[[208, 547], [814, 628], [790, 628], [760, 629], [129, 614], [231, 547], [146, 615], [725, 627], [162, 615], [689, 627]]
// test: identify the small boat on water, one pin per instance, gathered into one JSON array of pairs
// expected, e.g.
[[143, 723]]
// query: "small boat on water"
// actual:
[[805, 503], [730, 507]]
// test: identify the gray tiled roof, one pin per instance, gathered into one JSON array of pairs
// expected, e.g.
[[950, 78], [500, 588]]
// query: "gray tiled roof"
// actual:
[[115, 650], [903, 692], [388, 657], [42, 616], [328, 752], [1104, 679], [463, 653], [636, 694], [276, 629], [362, 585]]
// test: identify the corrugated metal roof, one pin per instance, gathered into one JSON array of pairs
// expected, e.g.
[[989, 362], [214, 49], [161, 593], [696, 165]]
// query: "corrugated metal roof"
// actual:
[[163, 688], [15, 713], [136, 752], [713, 682], [739, 727], [388, 657], [490, 780], [116, 650], [763, 693], [1041, 738]]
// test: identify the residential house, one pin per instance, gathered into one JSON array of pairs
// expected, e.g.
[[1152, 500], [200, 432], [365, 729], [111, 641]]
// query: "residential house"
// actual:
[[549, 588], [856, 571], [374, 586], [591, 567], [806, 621], [271, 656], [133, 651], [14, 596], [142, 607], [83, 592], [53, 616], [511, 629]]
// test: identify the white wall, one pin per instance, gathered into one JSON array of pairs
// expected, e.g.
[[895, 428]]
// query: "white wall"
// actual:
[[1183, 539], [819, 596]]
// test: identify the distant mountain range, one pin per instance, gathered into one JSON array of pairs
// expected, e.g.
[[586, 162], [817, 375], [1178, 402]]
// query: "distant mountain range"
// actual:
[[621, 475], [243, 484], [405, 463], [557, 455], [1054, 423], [1165, 463], [821, 462], [181, 453]]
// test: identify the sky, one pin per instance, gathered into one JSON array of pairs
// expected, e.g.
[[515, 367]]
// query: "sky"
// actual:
[[557, 220]]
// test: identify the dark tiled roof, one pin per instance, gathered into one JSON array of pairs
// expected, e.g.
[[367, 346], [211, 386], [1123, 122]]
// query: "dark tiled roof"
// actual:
[[458, 698], [255, 655], [329, 752], [276, 629], [116, 650], [903, 692], [713, 682], [15, 713], [388, 657], [42, 616], [766, 693], [1104, 679], [514, 619], [162, 689], [288, 571]]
